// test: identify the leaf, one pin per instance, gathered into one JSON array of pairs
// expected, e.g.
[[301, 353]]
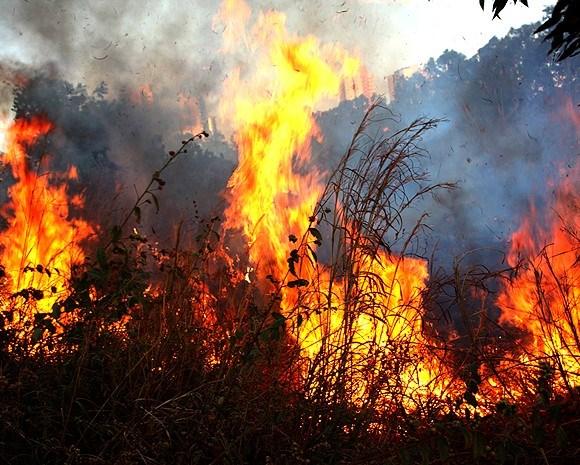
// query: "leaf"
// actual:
[[48, 325], [155, 201], [275, 331], [37, 294], [272, 279], [291, 267], [56, 311], [278, 316], [102, 258], [292, 238], [292, 259], [298, 283], [499, 5], [137, 213], [314, 256], [443, 448], [316, 233]]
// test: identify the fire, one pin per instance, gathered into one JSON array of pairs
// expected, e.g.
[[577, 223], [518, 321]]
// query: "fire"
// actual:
[[232, 16], [191, 118], [544, 298], [273, 191], [41, 241], [272, 195]]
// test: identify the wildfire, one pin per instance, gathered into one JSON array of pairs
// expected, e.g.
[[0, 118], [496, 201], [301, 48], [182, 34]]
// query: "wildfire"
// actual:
[[41, 241], [544, 298], [361, 311], [272, 195]]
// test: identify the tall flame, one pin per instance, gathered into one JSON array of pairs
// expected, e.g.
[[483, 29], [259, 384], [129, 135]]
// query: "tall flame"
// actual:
[[41, 242], [544, 298], [272, 195]]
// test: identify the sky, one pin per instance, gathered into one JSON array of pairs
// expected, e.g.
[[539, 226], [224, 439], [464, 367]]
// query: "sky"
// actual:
[[90, 40]]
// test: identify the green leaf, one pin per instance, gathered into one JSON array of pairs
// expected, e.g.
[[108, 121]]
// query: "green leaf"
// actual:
[[278, 317]]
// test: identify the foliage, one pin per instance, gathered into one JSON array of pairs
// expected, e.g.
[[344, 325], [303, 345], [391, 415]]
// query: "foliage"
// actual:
[[166, 356], [499, 5], [564, 29], [563, 26]]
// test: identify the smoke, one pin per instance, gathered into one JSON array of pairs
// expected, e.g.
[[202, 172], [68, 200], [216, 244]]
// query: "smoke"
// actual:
[[507, 140], [116, 145], [504, 134]]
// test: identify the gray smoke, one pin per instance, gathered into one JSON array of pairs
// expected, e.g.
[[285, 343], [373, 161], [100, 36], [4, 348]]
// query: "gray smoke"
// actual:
[[506, 140], [501, 141]]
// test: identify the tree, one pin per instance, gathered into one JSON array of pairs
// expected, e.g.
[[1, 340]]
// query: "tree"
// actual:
[[563, 26]]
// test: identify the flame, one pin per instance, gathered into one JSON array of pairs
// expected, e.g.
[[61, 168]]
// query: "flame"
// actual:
[[231, 18], [40, 244], [544, 298], [272, 195], [191, 118]]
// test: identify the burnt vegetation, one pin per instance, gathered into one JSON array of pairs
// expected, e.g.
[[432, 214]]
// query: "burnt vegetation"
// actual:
[[160, 354]]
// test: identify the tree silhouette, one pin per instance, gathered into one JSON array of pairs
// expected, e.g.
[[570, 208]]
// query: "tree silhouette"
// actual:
[[563, 26]]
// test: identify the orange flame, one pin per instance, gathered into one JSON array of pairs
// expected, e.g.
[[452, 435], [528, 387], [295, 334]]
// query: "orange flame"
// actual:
[[270, 196], [544, 298], [40, 244], [274, 190]]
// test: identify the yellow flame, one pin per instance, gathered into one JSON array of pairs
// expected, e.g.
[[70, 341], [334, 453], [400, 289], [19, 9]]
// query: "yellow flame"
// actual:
[[40, 245], [274, 190]]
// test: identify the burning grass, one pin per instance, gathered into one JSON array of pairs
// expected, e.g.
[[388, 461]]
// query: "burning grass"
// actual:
[[207, 352]]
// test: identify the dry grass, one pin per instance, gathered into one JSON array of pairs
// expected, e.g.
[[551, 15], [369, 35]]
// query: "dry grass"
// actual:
[[208, 371]]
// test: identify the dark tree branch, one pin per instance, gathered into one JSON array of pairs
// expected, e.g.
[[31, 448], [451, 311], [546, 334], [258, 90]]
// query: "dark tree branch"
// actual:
[[563, 26]]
